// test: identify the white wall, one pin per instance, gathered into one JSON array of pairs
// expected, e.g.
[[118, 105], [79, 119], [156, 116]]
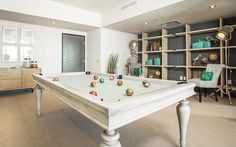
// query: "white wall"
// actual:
[[47, 45], [102, 43], [115, 42], [94, 50]]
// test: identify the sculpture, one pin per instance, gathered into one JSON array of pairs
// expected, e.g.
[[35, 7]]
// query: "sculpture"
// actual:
[[133, 65]]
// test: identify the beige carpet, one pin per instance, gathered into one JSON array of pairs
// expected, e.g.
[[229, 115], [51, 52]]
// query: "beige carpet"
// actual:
[[211, 124]]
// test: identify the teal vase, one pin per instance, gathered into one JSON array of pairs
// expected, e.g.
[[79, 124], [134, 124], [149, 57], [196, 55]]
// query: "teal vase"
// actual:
[[157, 61]]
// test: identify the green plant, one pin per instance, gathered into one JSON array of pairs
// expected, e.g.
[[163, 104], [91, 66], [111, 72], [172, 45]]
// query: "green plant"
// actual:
[[112, 63]]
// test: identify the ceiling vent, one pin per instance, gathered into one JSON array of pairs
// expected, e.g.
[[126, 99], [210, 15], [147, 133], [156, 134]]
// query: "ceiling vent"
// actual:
[[129, 5], [171, 24]]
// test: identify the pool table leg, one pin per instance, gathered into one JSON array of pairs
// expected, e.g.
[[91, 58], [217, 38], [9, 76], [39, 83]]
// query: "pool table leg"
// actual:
[[183, 113], [110, 139], [38, 95]]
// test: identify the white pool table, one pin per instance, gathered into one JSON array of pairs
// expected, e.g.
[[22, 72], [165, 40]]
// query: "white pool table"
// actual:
[[112, 108]]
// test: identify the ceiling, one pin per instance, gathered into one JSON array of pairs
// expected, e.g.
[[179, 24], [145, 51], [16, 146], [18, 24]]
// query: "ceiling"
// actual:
[[23, 18], [186, 12], [99, 6]]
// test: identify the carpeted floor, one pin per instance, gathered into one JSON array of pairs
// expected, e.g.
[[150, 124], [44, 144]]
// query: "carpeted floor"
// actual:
[[211, 124]]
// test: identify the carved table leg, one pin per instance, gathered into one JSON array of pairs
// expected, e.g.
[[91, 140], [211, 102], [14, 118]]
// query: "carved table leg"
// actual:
[[38, 95], [110, 139], [183, 113]]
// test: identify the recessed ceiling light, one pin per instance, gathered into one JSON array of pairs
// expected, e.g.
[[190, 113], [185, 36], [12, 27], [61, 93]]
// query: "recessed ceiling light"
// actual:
[[53, 22], [145, 23], [212, 6]]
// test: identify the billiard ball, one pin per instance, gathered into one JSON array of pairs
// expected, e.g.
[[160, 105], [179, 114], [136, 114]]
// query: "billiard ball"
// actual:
[[119, 82], [147, 84], [144, 81], [95, 77], [92, 84], [129, 91], [112, 77], [93, 93], [55, 79], [101, 80]]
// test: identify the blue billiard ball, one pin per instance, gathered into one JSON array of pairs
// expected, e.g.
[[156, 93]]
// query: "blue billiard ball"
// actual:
[[101, 80]]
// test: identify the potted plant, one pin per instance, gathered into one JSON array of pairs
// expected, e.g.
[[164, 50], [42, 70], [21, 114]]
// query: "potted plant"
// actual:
[[112, 63]]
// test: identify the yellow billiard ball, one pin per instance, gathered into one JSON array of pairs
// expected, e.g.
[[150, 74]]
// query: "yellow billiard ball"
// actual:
[[92, 84], [147, 84], [55, 79], [93, 93], [129, 91]]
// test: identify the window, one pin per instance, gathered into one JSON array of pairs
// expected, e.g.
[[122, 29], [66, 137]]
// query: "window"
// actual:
[[9, 53], [9, 35], [16, 47], [26, 52], [26, 36]]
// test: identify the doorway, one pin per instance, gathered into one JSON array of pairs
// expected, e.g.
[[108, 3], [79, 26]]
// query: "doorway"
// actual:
[[73, 53]]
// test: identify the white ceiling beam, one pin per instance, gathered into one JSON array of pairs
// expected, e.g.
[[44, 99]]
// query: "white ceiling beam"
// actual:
[[136, 7]]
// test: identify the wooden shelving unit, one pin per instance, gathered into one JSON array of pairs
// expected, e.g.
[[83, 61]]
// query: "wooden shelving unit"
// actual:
[[187, 51]]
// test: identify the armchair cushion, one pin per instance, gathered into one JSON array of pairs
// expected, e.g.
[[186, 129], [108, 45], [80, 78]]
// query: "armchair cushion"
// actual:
[[207, 76]]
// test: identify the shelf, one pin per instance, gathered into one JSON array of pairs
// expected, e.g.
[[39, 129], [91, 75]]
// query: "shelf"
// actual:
[[232, 67], [152, 65], [152, 38], [169, 36], [175, 66], [175, 50], [139, 39], [230, 47], [152, 52], [180, 34], [203, 49], [139, 52], [197, 67], [203, 31]]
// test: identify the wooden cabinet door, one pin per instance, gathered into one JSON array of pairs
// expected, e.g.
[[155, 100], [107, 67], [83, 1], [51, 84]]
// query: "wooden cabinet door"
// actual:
[[27, 77], [10, 79]]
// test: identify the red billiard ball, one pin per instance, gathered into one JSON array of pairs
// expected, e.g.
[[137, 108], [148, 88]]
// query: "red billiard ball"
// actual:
[[119, 82], [95, 77], [112, 77], [93, 93], [92, 84], [129, 91]]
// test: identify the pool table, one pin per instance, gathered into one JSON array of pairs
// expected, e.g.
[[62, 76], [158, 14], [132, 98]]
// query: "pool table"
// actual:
[[112, 108]]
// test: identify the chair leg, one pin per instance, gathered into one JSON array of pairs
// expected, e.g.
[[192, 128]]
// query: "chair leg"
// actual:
[[215, 93], [205, 92], [200, 94]]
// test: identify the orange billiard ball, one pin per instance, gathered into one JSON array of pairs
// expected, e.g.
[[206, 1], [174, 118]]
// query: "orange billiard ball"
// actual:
[[129, 91], [112, 77], [95, 77], [93, 93], [119, 82], [92, 84]]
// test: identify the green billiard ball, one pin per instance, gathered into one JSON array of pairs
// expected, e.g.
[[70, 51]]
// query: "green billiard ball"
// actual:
[[144, 81], [101, 80], [147, 84]]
